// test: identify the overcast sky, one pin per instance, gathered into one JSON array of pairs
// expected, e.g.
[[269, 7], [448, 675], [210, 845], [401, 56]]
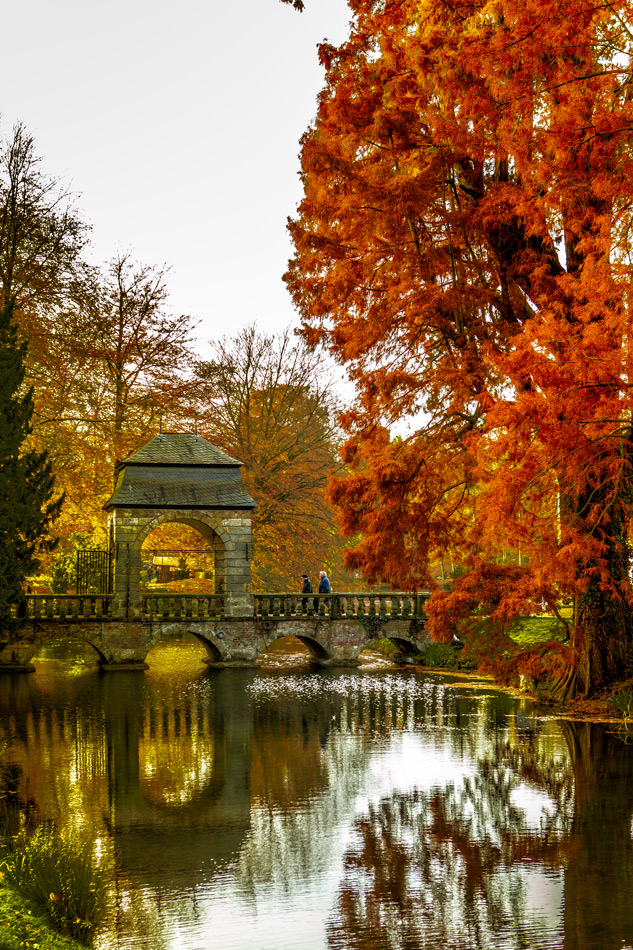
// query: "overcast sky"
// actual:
[[177, 124]]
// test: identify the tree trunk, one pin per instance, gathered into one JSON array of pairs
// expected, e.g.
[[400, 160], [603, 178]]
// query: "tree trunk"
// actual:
[[601, 638]]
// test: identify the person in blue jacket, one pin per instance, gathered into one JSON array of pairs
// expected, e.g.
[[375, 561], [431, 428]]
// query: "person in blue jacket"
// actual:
[[324, 586]]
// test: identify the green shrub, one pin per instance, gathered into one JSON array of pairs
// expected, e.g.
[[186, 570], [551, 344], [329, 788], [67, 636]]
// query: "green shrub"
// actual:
[[385, 647], [59, 876]]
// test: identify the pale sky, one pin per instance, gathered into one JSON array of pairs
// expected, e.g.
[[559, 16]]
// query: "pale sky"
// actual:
[[178, 125]]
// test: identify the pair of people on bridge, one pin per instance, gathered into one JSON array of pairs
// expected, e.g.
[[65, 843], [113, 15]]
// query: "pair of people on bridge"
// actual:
[[324, 588]]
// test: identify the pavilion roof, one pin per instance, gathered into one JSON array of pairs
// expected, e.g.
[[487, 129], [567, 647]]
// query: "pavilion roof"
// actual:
[[179, 470]]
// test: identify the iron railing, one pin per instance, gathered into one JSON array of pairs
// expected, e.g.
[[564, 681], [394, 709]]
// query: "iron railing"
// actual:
[[94, 571]]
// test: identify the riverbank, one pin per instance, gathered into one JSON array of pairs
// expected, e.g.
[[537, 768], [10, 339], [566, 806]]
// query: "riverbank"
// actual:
[[21, 929], [597, 709]]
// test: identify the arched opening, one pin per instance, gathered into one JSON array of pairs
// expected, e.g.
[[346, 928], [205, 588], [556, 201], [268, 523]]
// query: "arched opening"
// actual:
[[292, 653], [181, 556]]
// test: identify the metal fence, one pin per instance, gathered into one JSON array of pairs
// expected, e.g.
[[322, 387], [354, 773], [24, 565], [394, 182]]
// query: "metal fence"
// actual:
[[94, 571]]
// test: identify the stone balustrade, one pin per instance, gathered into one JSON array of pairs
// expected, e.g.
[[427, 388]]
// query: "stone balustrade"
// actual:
[[200, 607], [386, 606], [183, 606], [69, 606]]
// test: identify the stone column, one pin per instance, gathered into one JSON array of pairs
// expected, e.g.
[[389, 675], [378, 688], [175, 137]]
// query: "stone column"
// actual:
[[127, 563], [237, 561]]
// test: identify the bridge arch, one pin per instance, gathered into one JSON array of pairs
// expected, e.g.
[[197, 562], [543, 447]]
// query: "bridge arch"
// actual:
[[101, 657], [216, 652]]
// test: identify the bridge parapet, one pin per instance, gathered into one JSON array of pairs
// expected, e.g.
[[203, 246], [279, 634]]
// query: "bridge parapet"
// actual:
[[69, 606], [183, 606], [386, 606]]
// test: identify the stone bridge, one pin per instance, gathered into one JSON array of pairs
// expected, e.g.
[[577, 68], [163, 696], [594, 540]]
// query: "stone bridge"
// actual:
[[180, 478], [336, 628]]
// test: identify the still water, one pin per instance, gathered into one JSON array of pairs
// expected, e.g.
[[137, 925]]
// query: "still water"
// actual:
[[329, 810]]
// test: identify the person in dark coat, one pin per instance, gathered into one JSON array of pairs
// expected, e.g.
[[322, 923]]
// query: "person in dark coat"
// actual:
[[306, 589], [324, 586]]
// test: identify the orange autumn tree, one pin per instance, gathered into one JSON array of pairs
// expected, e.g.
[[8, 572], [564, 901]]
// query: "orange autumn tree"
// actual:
[[464, 244]]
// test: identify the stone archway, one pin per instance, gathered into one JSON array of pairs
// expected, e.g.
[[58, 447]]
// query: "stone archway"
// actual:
[[181, 477], [208, 526]]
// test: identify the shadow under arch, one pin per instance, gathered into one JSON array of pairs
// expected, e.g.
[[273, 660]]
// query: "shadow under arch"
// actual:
[[205, 524], [315, 648], [404, 646], [213, 652]]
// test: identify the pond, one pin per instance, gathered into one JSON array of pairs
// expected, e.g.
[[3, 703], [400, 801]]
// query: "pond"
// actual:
[[329, 810]]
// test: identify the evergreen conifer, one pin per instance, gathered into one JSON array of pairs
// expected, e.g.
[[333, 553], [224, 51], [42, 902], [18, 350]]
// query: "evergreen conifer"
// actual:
[[26, 482]]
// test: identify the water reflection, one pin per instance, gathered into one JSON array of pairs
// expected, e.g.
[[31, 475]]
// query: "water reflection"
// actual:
[[327, 810]]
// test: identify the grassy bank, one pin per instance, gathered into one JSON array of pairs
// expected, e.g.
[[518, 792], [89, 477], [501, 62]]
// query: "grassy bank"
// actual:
[[21, 929]]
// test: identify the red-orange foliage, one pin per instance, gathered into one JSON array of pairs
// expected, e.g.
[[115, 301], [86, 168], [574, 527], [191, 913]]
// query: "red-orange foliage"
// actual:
[[464, 246]]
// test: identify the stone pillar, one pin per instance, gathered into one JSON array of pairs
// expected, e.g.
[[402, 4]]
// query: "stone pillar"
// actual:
[[237, 553], [237, 559], [127, 563]]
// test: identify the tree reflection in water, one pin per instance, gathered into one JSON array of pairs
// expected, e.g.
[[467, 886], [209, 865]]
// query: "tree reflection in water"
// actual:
[[359, 812], [456, 866]]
